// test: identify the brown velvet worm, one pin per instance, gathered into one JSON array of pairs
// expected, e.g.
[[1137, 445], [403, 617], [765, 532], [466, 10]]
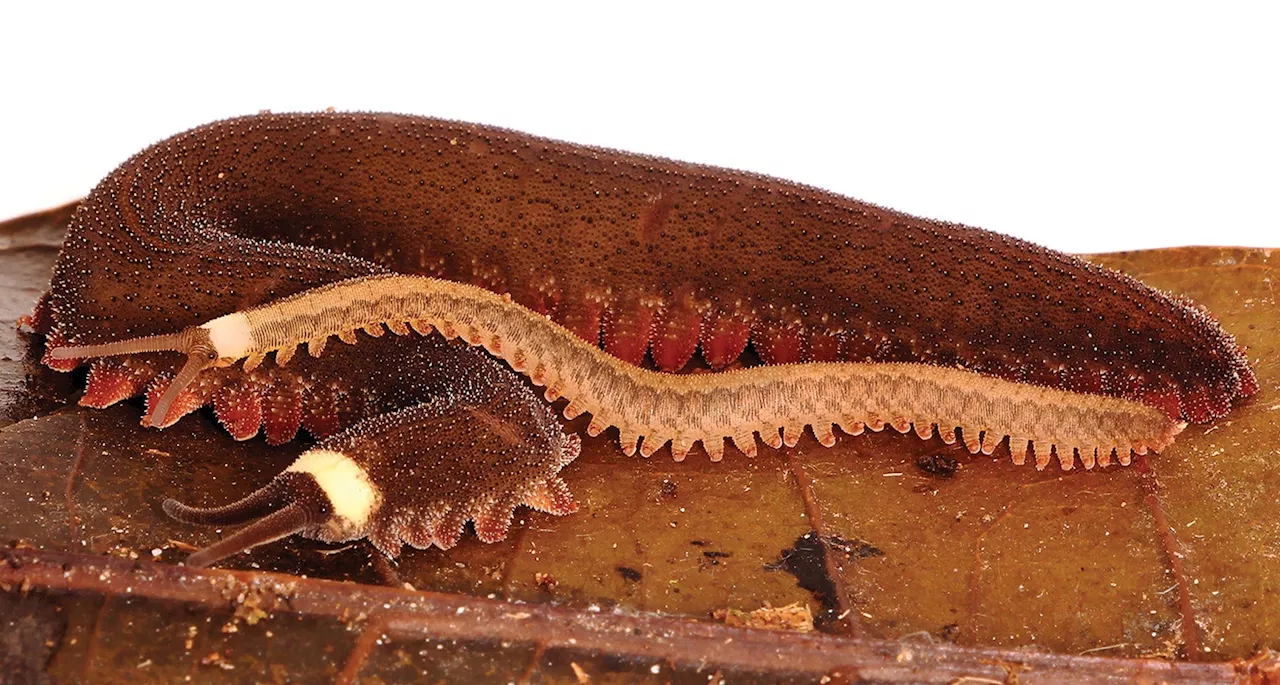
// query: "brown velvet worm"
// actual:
[[600, 275]]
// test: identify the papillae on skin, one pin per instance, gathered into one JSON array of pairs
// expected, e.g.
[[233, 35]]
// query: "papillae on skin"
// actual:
[[600, 275]]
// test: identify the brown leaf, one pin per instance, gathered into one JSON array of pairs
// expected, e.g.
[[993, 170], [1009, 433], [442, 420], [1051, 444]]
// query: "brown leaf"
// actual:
[[994, 556]]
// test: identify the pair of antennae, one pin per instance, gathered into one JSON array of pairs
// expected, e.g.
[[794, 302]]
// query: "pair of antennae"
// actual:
[[286, 505], [290, 503], [193, 342]]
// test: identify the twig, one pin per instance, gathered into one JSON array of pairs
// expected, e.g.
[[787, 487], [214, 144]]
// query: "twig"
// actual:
[[409, 614], [1151, 488]]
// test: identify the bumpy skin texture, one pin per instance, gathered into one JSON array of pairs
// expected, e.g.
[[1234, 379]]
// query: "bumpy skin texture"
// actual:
[[641, 255], [430, 451], [436, 409], [644, 250]]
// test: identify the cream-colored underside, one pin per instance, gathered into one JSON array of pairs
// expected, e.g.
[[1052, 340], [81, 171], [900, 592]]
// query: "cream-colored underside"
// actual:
[[706, 408], [352, 496]]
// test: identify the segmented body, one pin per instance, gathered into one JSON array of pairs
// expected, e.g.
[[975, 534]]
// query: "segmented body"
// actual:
[[653, 260], [657, 408]]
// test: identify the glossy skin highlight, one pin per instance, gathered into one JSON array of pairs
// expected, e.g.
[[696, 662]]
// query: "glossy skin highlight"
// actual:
[[644, 256]]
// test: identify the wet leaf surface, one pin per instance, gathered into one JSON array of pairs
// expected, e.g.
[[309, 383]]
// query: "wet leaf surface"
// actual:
[[884, 536]]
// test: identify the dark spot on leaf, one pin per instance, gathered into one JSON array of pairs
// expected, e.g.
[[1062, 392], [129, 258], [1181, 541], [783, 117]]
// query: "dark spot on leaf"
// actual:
[[667, 489], [854, 549], [806, 561], [939, 465], [629, 573], [715, 556]]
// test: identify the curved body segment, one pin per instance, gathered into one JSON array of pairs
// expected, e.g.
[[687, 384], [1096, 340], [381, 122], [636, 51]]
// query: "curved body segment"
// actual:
[[599, 273], [707, 408]]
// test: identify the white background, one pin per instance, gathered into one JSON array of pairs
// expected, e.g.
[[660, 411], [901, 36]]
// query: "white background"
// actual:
[[1090, 127]]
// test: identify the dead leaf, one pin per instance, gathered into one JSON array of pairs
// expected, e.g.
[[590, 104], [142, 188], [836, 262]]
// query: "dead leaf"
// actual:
[[993, 555]]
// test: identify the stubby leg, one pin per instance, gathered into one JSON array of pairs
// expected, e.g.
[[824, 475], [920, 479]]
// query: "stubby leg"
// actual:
[[482, 446]]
